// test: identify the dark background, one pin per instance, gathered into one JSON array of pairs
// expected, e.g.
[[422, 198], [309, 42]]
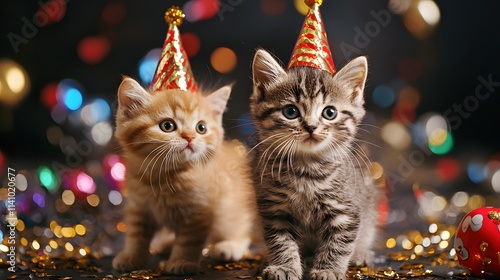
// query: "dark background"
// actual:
[[463, 46]]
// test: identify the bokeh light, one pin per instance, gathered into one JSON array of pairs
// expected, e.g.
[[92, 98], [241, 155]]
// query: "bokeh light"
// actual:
[[196, 10], [495, 181], [115, 197], [383, 96], [85, 183], [148, 64], [114, 12], [429, 11], [48, 179], [14, 82], [69, 94], [447, 168], [396, 135], [101, 133], [51, 12], [93, 50], [410, 96], [445, 147], [68, 197], [191, 43], [98, 110], [301, 6], [477, 172], [223, 60], [48, 95], [273, 8], [21, 182]]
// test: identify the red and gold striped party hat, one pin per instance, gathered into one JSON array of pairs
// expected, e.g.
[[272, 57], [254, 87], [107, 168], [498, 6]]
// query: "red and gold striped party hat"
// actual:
[[174, 70], [312, 47]]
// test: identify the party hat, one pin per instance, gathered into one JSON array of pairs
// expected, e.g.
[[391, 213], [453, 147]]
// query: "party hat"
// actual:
[[312, 47], [174, 70]]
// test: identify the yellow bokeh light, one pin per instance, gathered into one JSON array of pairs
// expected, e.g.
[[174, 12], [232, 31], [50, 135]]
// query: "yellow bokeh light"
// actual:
[[93, 200], [223, 60], [68, 232], [24, 241], [377, 170], [445, 235], [80, 229], [35, 245], [419, 249], [433, 228], [68, 247], [20, 225], [57, 231], [438, 136], [68, 197], [53, 244], [476, 201], [407, 244], [15, 79], [443, 244], [4, 248], [82, 252], [390, 243], [301, 6]]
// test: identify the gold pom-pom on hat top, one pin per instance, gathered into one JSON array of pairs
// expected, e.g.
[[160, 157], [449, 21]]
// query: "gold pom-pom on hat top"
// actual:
[[174, 15], [173, 70], [312, 48]]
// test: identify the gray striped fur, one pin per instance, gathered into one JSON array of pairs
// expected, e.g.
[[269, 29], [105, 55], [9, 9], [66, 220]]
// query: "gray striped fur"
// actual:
[[313, 195]]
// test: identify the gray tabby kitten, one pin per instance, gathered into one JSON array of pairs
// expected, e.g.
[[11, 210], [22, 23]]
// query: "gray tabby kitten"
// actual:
[[315, 192]]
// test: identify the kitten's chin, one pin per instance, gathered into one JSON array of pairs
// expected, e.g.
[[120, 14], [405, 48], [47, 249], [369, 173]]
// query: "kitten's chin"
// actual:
[[312, 147]]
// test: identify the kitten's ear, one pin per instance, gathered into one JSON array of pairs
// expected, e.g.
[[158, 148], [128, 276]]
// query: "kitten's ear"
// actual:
[[353, 77], [131, 95], [266, 69], [218, 100]]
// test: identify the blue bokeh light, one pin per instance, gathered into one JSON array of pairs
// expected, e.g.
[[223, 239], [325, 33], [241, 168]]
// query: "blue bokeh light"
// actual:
[[383, 96], [477, 172], [148, 64]]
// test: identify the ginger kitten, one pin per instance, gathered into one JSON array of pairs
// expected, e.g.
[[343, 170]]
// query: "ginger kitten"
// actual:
[[182, 175], [314, 189]]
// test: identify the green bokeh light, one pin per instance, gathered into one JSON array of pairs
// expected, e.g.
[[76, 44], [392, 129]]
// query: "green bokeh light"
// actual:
[[48, 179], [445, 147]]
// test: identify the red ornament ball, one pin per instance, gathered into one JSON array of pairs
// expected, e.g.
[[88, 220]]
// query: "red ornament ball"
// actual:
[[477, 242]]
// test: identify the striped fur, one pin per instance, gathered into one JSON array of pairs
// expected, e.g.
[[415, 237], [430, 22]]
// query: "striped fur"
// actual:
[[313, 194], [202, 194]]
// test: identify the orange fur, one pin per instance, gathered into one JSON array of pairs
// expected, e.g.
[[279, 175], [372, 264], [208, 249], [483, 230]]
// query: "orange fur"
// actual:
[[198, 191]]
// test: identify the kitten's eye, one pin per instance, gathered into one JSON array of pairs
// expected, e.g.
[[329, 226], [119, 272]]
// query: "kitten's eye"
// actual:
[[291, 112], [201, 128], [329, 113], [168, 125]]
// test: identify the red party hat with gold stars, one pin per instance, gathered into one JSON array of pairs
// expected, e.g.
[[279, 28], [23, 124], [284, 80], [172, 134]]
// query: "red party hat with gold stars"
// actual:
[[174, 70], [312, 47]]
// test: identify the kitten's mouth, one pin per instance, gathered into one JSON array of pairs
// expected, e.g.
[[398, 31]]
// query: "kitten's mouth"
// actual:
[[188, 147], [311, 139]]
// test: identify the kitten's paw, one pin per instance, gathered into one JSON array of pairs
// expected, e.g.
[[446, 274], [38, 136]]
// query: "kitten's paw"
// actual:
[[280, 273], [327, 274], [126, 261], [179, 267], [362, 258], [228, 250]]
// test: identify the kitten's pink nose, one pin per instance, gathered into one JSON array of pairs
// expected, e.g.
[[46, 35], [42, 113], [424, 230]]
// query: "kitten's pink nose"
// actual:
[[189, 139], [310, 128]]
